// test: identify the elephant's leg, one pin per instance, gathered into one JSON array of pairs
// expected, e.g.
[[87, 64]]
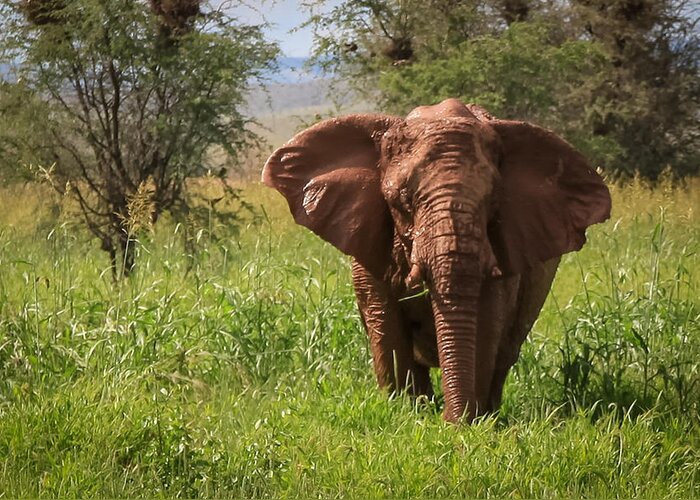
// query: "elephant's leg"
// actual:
[[417, 315], [533, 290], [497, 306], [391, 346]]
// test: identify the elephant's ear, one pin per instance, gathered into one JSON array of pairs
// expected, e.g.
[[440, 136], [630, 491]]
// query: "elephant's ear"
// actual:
[[330, 177], [550, 196]]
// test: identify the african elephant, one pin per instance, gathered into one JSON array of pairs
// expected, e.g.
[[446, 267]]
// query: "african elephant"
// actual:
[[475, 209]]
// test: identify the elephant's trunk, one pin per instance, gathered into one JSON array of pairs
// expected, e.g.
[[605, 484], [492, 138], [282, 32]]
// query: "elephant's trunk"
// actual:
[[455, 274]]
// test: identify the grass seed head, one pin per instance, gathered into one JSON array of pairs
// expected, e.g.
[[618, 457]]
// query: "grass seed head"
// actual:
[[141, 208]]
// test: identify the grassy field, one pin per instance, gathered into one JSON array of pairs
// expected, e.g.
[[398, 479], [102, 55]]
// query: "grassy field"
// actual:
[[242, 370]]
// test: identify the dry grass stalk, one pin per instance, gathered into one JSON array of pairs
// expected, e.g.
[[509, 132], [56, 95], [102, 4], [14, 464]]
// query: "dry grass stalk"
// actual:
[[141, 208]]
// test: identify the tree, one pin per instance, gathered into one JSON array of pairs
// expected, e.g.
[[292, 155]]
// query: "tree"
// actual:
[[366, 36], [482, 51], [619, 78], [510, 74], [649, 101], [136, 94]]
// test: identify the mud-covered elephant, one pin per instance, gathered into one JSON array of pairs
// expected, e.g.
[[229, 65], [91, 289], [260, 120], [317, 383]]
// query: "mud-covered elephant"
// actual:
[[475, 209]]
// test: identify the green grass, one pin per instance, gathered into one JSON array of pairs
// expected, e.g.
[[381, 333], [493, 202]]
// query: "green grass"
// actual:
[[243, 370]]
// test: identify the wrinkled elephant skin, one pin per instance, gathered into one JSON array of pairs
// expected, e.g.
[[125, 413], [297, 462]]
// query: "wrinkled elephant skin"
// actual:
[[475, 209]]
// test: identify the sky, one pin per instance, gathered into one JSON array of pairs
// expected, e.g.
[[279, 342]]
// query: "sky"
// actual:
[[284, 16]]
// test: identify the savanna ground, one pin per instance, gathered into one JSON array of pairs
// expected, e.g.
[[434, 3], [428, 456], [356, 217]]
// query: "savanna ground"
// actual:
[[242, 370]]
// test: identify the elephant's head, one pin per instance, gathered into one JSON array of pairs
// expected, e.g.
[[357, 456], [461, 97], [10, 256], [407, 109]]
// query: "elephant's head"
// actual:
[[466, 195]]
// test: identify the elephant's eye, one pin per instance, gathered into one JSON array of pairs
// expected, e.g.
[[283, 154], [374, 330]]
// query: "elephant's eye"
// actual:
[[405, 199]]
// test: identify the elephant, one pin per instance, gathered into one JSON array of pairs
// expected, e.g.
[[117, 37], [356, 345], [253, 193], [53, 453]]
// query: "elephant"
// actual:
[[455, 221]]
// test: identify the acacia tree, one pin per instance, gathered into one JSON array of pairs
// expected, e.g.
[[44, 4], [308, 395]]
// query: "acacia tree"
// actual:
[[367, 36], [137, 94], [649, 100], [619, 78]]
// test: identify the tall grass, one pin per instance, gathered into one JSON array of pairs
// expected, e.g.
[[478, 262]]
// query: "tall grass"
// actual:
[[242, 370]]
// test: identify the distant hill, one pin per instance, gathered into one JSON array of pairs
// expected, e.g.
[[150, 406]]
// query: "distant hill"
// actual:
[[277, 98], [297, 89], [294, 70], [295, 85]]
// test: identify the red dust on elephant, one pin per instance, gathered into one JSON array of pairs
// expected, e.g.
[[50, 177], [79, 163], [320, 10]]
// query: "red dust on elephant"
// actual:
[[476, 209]]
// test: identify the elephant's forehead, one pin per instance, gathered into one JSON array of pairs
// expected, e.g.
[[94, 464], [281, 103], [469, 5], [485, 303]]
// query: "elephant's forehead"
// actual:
[[446, 109]]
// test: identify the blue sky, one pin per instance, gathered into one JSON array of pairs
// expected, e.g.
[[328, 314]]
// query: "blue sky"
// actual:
[[284, 16]]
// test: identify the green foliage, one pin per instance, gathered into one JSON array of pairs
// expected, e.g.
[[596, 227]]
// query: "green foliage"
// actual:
[[649, 100], [23, 140], [361, 38], [243, 370], [131, 106]]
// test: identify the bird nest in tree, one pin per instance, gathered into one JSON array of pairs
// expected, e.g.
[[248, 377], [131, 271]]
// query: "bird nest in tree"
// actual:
[[175, 15], [43, 12]]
